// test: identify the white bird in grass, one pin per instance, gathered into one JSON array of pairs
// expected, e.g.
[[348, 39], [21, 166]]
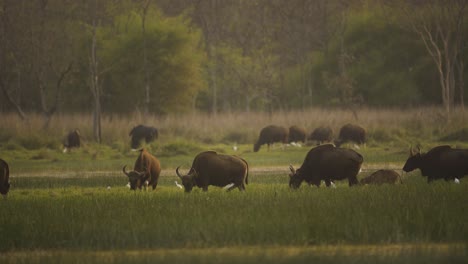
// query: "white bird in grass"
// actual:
[[457, 181], [228, 186], [178, 185]]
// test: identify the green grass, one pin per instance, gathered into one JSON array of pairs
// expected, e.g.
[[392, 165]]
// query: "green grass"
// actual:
[[60, 210], [84, 214], [401, 253]]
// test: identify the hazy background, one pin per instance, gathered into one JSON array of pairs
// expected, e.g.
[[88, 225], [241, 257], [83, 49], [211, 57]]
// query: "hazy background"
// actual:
[[163, 57]]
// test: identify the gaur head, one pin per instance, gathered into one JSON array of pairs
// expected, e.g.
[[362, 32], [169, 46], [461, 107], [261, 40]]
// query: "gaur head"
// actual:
[[414, 160], [256, 147], [295, 178], [188, 181], [135, 178]]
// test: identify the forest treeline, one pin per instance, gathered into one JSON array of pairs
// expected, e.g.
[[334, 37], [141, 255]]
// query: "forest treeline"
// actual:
[[165, 56]]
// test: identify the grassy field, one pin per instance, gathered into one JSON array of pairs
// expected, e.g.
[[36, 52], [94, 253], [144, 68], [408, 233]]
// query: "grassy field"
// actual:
[[53, 219], [75, 207]]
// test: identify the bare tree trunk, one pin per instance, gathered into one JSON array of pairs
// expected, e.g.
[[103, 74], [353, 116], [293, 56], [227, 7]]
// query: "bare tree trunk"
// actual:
[[18, 108], [145, 59], [94, 85], [214, 85], [440, 28], [461, 83]]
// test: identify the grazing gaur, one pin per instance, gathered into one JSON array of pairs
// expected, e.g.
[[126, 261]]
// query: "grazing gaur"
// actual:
[[211, 168], [271, 134], [4, 178], [145, 172], [141, 132], [328, 163], [297, 134], [441, 162], [381, 177], [350, 132], [321, 134], [72, 140]]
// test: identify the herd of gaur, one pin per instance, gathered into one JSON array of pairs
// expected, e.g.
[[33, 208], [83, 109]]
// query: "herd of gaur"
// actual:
[[326, 162]]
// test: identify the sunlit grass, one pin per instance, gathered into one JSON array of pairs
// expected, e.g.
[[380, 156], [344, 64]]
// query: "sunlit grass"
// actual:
[[84, 214], [393, 253], [61, 210]]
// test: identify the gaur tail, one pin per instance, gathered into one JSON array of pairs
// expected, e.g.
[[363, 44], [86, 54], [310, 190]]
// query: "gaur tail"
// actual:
[[6, 170], [247, 175], [247, 166]]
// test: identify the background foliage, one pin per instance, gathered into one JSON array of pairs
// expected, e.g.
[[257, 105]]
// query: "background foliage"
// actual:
[[216, 55]]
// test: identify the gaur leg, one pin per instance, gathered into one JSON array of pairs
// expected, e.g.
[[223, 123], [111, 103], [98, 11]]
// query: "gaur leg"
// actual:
[[352, 181], [327, 182], [316, 183], [205, 188]]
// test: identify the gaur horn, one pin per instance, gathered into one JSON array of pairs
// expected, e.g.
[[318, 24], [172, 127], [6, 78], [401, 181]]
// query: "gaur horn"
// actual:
[[126, 173], [177, 171], [292, 169], [412, 152]]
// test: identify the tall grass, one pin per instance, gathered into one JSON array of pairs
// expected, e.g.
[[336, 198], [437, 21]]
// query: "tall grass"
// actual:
[[268, 214], [241, 127]]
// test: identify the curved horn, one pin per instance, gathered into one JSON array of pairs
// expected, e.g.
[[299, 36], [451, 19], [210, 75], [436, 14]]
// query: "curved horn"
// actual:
[[126, 173], [292, 169], [412, 152], [177, 171]]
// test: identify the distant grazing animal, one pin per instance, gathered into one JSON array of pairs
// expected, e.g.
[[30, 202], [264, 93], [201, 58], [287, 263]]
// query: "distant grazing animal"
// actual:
[[328, 163], [145, 172], [4, 178], [271, 134], [441, 162], [211, 168], [297, 134], [72, 140], [382, 176], [321, 134], [141, 132], [350, 132]]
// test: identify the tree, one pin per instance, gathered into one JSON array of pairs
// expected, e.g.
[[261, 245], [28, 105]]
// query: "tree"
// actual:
[[440, 25], [173, 65]]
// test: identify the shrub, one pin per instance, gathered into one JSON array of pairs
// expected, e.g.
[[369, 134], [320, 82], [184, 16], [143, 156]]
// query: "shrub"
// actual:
[[179, 147], [237, 137], [31, 142], [459, 135]]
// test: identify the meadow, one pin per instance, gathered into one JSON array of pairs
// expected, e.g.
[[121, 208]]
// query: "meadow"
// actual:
[[75, 207]]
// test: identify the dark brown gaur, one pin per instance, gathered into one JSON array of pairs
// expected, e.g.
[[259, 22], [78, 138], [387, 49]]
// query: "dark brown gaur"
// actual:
[[353, 133], [141, 132], [441, 162], [210, 168], [4, 178], [271, 134], [145, 172], [72, 140], [296, 134], [327, 163], [321, 134]]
